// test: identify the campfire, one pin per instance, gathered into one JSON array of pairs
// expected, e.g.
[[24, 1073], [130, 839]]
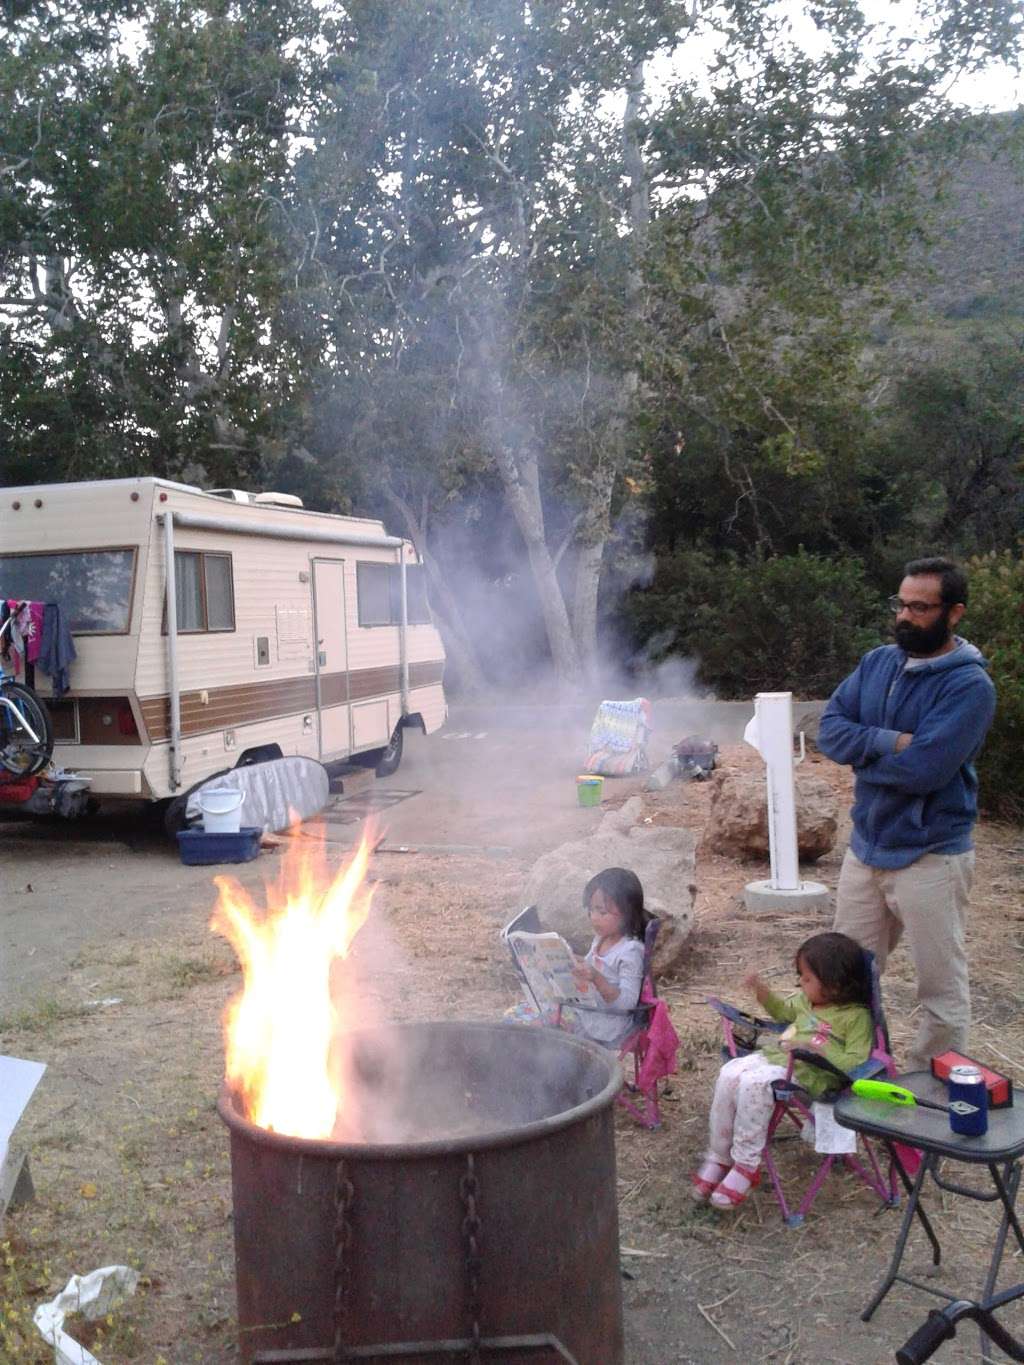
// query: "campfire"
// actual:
[[405, 1191], [280, 1031]]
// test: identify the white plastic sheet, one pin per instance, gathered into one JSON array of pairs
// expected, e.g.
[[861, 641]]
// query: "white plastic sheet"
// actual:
[[92, 1295]]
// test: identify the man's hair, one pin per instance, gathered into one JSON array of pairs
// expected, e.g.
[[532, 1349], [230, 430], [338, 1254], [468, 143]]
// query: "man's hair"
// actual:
[[954, 580]]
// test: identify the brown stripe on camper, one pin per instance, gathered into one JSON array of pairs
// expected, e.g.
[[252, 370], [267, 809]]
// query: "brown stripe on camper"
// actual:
[[248, 703]]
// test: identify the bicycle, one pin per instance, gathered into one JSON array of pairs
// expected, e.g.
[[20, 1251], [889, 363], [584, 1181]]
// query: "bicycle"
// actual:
[[26, 730], [940, 1326]]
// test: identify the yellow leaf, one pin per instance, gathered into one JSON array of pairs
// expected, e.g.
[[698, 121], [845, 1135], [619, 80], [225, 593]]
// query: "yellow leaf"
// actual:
[[88, 1190]]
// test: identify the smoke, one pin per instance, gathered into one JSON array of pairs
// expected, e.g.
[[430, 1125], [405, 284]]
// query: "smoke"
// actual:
[[442, 1082]]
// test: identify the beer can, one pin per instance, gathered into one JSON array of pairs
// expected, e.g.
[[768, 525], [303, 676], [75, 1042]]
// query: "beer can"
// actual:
[[967, 1083]]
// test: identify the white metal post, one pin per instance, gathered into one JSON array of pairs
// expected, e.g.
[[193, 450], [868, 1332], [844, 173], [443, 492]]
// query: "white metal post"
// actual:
[[771, 733], [774, 711]]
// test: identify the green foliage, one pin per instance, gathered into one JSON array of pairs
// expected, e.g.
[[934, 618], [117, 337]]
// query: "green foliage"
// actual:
[[995, 623], [794, 623]]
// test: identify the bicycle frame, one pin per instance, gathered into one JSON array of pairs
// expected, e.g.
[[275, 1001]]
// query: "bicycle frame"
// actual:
[[941, 1325], [18, 714]]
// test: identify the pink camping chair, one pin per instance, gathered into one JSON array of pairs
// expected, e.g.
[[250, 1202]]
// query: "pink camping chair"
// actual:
[[792, 1102], [652, 1044]]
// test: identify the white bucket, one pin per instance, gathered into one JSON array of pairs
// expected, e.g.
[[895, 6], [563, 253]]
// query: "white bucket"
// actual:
[[222, 810]]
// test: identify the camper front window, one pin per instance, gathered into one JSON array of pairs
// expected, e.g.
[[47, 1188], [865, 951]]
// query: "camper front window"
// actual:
[[204, 591], [93, 588]]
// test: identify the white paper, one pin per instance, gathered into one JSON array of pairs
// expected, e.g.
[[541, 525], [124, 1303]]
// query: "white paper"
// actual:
[[547, 962], [92, 1295], [18, 1079], [825, 1135]]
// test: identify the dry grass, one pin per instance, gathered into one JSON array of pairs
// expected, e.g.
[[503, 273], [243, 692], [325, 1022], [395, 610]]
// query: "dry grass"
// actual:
[[130, 1159]]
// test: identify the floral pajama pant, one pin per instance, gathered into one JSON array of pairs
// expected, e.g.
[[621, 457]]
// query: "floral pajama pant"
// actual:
[[741, 1110]]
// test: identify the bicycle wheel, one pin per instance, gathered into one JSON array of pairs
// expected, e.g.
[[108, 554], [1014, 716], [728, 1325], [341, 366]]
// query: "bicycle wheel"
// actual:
[[19, 752]]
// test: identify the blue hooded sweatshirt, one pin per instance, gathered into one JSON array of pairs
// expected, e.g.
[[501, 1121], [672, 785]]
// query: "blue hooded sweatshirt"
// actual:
[[925, 799]]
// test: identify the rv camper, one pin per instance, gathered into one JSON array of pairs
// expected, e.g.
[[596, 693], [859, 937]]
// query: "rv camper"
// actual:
[[280, 631]]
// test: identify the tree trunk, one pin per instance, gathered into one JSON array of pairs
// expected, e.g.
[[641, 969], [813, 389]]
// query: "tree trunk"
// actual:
[[520, 480], [458, 643], [597, 521], [584, 603]]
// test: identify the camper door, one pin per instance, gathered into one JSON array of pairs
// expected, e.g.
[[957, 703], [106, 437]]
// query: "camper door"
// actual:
[[331, 656]]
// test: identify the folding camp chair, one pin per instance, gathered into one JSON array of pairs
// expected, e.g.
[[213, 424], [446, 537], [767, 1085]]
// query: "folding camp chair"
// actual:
[[792, 1102], [618, 738], [652, 1043]]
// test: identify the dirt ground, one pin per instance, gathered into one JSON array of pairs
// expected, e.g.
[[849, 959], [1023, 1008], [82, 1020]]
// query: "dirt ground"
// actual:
[[130, 1160]]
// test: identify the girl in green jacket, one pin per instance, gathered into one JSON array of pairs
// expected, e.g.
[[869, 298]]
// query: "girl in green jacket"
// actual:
[[829, 1015]]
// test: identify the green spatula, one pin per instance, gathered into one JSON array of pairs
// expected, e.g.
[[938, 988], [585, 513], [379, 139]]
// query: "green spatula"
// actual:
[[886, 1093]]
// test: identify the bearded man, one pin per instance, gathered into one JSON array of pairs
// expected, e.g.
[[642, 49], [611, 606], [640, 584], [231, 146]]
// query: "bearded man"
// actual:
[[910, 720]]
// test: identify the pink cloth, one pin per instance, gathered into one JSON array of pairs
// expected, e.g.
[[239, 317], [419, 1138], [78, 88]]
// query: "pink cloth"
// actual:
[[663, 1044], [26, 632], [31, 617]]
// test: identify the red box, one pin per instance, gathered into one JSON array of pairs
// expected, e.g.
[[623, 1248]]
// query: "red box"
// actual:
[[999, 1087]]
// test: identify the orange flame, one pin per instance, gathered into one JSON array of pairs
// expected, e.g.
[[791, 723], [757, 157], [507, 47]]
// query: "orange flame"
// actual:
[[279, 1029]]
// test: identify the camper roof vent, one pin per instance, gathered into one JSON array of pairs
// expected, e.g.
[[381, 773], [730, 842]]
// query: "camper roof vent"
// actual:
[[230, 494], [275, 500]]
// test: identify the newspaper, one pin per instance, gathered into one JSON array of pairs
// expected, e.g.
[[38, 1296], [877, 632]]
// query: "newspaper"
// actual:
[[545, 964]]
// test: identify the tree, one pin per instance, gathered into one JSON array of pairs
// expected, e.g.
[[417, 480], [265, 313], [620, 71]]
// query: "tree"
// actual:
[[592, 253], [138, 268]]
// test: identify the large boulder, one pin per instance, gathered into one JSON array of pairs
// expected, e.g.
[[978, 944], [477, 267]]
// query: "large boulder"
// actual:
[[738, 818], [662, 856]]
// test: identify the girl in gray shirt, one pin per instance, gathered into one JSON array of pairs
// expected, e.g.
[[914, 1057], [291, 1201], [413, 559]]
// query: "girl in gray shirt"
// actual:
[[614, 964]]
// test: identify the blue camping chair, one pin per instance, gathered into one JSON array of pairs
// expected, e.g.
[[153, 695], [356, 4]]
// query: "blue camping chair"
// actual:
[[792, 1102]]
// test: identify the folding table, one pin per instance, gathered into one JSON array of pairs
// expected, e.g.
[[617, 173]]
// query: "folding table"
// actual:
[[999, 1150]]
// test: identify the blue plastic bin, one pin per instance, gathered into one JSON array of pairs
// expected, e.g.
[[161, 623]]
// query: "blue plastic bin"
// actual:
[[197, 847]]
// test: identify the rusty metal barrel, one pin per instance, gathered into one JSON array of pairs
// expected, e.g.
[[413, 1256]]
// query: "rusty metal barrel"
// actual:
[[480, 1215]]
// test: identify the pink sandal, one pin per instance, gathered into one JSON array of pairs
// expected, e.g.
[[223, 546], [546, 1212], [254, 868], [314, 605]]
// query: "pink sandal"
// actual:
[[706, 1179], [734, 1189]]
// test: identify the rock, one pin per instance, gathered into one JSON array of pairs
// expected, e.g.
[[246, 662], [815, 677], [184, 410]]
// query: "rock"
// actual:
[[738, 817], [662, 856]]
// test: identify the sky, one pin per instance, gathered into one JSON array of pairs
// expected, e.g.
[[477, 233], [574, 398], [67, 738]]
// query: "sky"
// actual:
[[998, 88]]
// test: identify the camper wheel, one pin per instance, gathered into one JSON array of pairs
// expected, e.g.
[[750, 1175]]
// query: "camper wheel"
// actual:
[[384, 762], [391, 757]]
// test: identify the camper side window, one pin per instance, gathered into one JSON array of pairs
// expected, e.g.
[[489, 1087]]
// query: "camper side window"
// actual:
[[380, 594], [373, 591], [204, 590]]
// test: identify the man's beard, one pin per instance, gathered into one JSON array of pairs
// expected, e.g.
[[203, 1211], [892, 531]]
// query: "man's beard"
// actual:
[[921, 640]]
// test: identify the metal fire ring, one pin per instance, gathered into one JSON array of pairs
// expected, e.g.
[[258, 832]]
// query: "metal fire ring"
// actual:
[[509, 1137]]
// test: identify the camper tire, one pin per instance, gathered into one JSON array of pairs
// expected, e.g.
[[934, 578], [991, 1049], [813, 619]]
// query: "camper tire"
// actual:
[[387, 761]]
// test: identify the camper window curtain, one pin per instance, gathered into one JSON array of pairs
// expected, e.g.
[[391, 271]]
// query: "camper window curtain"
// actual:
[[204, 590], [188, 589], [220, 606]]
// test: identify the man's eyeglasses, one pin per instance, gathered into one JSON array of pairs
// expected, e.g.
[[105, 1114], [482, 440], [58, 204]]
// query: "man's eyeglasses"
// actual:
[[897, 604]]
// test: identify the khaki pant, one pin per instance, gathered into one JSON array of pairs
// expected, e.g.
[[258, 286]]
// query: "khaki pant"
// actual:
[[928, 902]]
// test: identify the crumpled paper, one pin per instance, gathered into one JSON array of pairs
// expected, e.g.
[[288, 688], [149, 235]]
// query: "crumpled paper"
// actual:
[[92, 1295]]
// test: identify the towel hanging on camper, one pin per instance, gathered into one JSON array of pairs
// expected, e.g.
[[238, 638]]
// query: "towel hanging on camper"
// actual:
[[56, 649]]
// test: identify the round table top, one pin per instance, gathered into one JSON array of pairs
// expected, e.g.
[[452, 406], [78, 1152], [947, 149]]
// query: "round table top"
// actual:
[[929, 1129]]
